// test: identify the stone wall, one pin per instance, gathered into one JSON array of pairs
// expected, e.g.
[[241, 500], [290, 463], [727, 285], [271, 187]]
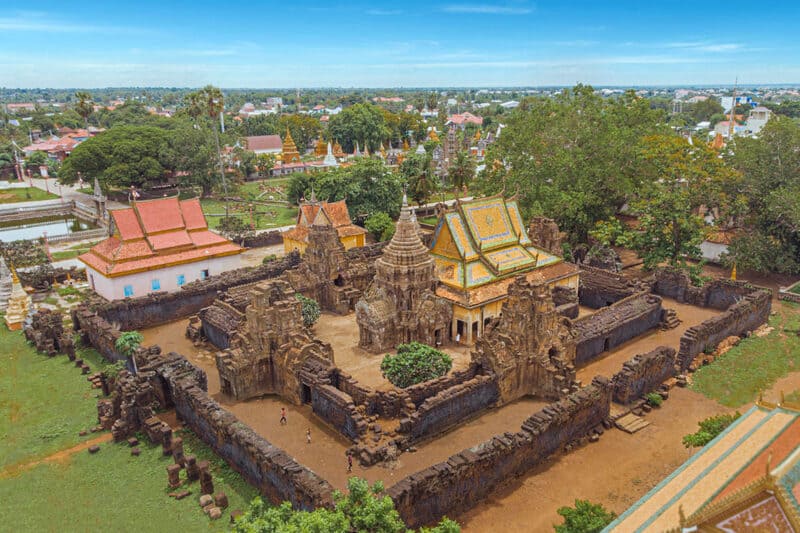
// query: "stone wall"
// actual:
[[450, 407], [716, 294], [611, 326], [746, 315], [422, 391], [265, 238], [158, 308], [466, 478], [97, 332], [600, 288], [339, 410], [643, 373]]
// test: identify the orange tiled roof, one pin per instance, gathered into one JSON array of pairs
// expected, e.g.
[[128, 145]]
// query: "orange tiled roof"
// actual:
[[335, 212], [154, 234]]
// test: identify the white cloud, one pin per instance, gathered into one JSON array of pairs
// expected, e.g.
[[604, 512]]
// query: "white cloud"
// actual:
[[36, 21], [486, 9]]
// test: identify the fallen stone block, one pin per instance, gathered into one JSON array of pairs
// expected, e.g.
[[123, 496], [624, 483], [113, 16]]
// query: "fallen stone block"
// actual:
[[94, 448]]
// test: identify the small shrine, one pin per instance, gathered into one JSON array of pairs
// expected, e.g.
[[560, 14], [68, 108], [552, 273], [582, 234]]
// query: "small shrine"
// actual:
[[19, 303], [290, 153]]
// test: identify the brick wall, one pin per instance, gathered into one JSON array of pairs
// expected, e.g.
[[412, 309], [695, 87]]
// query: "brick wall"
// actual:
[[643, 373]]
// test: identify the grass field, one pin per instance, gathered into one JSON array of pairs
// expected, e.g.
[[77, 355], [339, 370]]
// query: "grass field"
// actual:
[[755, 363], [45, 403], [73, 251], [29, 194], [265, 217]]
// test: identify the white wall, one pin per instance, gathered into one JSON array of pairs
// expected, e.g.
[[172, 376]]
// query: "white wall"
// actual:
[[114, 288]]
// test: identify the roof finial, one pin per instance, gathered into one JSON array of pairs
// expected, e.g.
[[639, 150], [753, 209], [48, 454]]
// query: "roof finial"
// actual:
[[313, 196], [405, 197]]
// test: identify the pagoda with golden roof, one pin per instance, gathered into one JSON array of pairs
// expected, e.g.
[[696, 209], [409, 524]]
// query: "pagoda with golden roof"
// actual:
[[320, 149], [337, 151], [290, 153]]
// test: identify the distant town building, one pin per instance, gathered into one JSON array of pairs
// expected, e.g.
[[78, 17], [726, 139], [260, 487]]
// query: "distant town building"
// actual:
[[157, 245], [757, 119], [264, 144], [462, 119]]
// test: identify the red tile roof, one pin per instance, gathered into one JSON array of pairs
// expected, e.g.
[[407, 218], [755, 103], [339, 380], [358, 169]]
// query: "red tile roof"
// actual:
[[264, 142], [335, 212], [154, 234], [465, 117]]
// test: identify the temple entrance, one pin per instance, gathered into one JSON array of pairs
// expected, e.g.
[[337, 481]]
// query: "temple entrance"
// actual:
[[461, 330], [339, 281], [474, 331], [606, 344], [437, 337], [305, 393], [225, 387]]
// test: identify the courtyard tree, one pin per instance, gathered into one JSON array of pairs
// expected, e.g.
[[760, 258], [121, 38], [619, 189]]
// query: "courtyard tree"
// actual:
[[417, 173], [709, 428], [380, 225], [364, 509], [304, 129], [235, 229], [414, 363], [585, 517], [309, 309], [128, 342], [360, 123]]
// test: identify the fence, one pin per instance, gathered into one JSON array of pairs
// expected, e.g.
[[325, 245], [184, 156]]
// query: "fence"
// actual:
[[88, 234]]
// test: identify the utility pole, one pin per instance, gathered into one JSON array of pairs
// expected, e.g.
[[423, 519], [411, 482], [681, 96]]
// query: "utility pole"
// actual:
[[732, 120]]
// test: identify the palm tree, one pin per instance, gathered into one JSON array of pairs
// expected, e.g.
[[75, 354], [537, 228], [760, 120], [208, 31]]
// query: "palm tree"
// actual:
[[209, 101], [85, 106]]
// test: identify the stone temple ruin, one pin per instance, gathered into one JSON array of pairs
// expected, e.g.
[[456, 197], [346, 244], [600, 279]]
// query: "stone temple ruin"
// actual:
[[400, 304], [530, 347]]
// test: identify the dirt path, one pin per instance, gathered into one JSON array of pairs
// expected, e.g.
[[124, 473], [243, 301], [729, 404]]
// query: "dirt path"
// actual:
[[616, 471], [57, 457]]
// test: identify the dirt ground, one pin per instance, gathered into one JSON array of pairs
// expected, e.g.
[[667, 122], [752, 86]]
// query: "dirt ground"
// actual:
[[254, 256], [615, 471], [326, 453], [342, 334], [611, 363]]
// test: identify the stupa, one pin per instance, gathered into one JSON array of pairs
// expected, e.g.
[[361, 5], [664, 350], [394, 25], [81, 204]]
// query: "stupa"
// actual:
[[290, 153], [18, 304], [330, 160]]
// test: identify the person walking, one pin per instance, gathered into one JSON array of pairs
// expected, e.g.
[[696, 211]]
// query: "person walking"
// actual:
[[283, 416], [308, 436], [349, 462]]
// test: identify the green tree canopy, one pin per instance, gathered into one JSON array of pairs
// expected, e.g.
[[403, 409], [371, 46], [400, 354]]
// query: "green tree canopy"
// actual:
[[416, 171], [585, 517], [359, 123], [363, 509], [572, 157], [414, 363]]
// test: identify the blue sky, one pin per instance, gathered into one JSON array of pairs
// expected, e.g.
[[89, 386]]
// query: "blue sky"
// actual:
[[411, 44]]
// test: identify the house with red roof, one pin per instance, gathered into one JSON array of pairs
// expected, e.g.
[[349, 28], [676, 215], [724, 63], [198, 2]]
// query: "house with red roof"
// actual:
[[462, 119], [264, 144], [155, 246], [323, 213]]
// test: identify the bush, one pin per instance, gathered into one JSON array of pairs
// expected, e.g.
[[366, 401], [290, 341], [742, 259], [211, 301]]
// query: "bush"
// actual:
[[380, 225], [268, 258], [585, 517], [414, 363], [235, 229], [128, 342], [310, 310], [654, 399], [709, 428]]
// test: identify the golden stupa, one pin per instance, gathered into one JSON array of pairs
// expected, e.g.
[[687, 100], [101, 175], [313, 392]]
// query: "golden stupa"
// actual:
[[18, 304], [290, 153]]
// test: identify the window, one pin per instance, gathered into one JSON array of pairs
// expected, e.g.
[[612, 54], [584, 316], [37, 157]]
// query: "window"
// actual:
[[155, 285], [181, 279], [128, 291], [204, 274]]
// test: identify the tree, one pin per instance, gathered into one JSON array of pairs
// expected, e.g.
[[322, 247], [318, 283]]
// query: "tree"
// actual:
[[128, 342], [572, 157], [310, 310], [191, 148], [414, 363], [769, 239], [304, 129], [679, 178], [364, 124], [121, 156], [84, 106], [705, 109], [36, 160], [709, 429], [364, 509], [461, 170], [380, 225], [585, 517], [417, 173], [235, 229]]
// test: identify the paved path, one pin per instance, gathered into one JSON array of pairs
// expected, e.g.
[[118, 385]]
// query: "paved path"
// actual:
[[70, 192]]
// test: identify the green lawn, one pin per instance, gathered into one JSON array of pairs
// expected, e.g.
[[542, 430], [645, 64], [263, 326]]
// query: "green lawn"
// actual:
[[29, 194], [114, 491], [264, 216], [252, 189], [44, 401], [756, 363], [72, 251]]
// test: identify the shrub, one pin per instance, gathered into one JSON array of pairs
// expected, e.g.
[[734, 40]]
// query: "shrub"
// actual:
[[654, 399], [310, 310], [709, 428], [127, 343], [585, 517], [235, 229], [414, 363], [380, 225], [268, 258]]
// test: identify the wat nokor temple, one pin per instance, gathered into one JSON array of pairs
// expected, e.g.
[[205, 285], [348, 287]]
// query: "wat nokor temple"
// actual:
[[479, 248], [314, 213]]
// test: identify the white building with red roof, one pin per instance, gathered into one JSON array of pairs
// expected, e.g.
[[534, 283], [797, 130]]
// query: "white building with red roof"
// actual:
[[264, 144], [462, 119], [155, 246]]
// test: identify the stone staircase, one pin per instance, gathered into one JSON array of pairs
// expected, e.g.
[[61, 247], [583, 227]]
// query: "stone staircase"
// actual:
[[5, 283], [631, 423], [669, 319]]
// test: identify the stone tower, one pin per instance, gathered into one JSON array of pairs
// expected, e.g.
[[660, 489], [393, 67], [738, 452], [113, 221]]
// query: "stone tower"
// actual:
[[400, 305]]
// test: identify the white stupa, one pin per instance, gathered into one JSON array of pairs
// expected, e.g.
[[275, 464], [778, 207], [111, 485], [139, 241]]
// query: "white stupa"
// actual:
[[330, 160]]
